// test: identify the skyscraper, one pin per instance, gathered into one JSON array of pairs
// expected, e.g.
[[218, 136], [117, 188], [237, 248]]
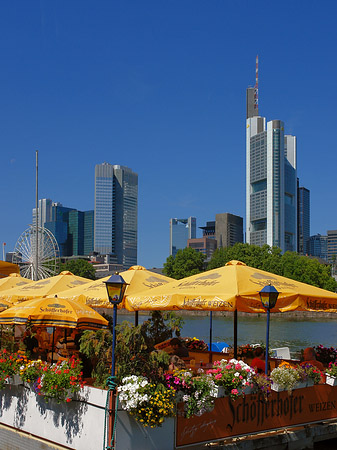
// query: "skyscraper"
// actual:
[[332, 245], [271, 182], [73, 229], [115, 221], [228, 229], [303, 220], [180, 231], [317, 245]]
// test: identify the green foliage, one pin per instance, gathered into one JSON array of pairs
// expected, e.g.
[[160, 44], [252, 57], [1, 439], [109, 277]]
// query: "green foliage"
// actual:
[[264, 258], [80, 267], [270, 259], [135, 352], [96, 345], [187, 262], [7, 338]]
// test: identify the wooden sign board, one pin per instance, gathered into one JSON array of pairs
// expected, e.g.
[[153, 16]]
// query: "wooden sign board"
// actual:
[[253, 414]]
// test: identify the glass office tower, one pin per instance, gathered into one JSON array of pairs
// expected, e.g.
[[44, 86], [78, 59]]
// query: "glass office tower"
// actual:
[[303, 218], [271, 184], [181, 230], [116, 208]]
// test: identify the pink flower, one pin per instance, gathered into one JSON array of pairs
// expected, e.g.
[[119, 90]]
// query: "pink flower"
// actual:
[[218, 376], [228, 366], [237, 367], [234, 391]]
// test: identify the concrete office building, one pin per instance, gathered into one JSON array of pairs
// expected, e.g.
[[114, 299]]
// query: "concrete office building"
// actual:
[[303, 219], [181, 230], [332, 245], [116, 210], [271, 181], [228, 229]]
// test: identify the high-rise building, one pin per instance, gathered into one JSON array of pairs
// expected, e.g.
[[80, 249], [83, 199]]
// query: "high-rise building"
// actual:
[[116, 204], [271, 183], [303, 219], [317, 245], [73, 229], [228, 229], [204, 245], [332, 246], [181, 230]]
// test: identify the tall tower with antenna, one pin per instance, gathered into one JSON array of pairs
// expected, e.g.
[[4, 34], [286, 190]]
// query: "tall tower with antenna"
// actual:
[[252, 96], [271, 179]]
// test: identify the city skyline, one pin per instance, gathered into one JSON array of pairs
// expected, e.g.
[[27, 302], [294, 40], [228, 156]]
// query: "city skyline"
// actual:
[[158, 89]]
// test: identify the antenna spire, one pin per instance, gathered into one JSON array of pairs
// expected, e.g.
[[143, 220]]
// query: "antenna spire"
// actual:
[[256, 87]]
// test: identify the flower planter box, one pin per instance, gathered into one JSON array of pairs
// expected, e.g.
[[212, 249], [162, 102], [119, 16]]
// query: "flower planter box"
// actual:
[[310, 383], [220, 392], [278, 387], [332, 381], [14, 380]]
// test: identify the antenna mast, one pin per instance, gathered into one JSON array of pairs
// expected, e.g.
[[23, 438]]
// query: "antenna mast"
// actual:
[[256, 87]]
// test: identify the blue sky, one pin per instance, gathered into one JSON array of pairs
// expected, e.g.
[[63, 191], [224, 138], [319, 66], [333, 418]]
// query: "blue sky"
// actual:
[[159, 86]]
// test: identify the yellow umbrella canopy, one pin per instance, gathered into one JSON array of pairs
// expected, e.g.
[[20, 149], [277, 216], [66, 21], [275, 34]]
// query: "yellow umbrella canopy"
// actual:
[[6, 268], [234, 286], [14, 280], [4, 304], [48, 286], [54, 312], [138, 278]]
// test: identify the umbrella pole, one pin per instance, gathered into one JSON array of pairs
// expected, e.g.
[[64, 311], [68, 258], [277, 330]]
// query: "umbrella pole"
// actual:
[[210, 334], [136, 318], [235, 333], [52, 347]]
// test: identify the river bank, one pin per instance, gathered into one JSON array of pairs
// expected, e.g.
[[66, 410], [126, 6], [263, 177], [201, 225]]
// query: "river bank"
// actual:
[[293, 315]]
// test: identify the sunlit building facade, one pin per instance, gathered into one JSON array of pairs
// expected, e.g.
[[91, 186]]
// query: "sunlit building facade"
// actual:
[[181, 230], [271, 184], [116, 208]]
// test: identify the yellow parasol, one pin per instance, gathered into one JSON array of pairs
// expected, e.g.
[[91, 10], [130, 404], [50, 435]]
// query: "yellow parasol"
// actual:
[[54, 312], [6, 268], [48, 286], [4, 304], [139, 279], [233, 287], [14, 280]]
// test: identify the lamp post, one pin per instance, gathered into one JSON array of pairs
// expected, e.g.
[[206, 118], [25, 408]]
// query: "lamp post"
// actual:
[[115, 286], [268, 296]]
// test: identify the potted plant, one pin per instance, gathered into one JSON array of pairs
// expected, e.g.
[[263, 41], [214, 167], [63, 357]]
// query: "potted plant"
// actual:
[[285, 377], [61, 380], [9, 368], [30, 371], [195, 344], [149, 403], [196, 392], [331, 374], [262, 384], [234, 376], [309, 374]]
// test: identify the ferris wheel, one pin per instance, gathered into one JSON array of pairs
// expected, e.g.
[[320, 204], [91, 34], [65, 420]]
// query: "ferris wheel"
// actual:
[[47, 258]]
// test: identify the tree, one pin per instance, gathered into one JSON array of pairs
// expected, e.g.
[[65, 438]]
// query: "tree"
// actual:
[[187, 262], [80, 267], [264, 258], [270, 259]]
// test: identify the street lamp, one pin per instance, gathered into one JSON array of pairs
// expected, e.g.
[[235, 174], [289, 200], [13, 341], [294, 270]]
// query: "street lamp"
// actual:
[[268, 296], [115, 286]]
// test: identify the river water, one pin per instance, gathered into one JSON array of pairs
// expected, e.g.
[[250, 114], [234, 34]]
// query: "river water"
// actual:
[[294, 333]]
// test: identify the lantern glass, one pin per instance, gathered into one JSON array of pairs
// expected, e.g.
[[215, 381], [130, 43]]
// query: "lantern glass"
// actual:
[[116, 288], [268, 296]]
